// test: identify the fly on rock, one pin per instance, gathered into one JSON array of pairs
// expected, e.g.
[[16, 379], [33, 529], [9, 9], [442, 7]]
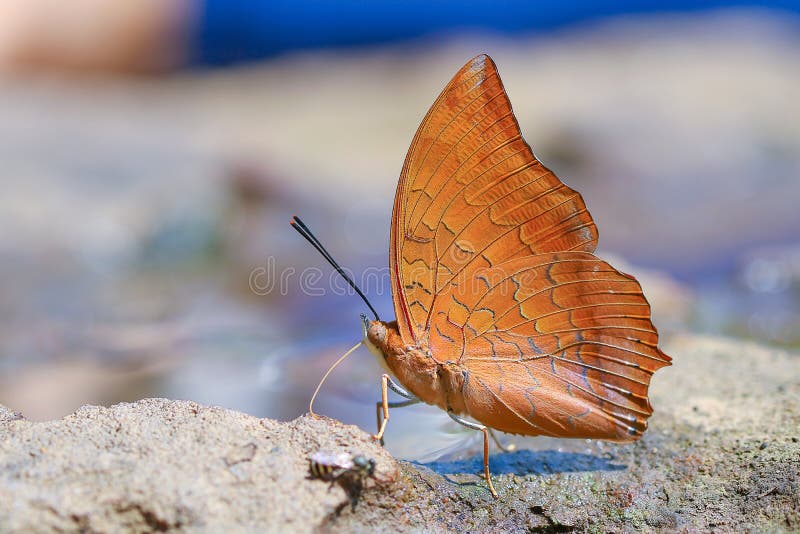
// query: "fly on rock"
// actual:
[[333, 466]]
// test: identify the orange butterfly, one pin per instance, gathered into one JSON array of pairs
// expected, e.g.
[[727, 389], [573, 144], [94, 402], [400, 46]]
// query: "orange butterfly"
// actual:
[[503, 313]]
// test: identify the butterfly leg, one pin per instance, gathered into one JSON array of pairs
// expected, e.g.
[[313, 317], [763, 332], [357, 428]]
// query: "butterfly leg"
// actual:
[[401, 404], [397, 388], [505, 448], [485, 430], [386, 384]]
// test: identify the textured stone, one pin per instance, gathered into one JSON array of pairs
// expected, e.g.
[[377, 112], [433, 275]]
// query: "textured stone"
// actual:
[[722, 453]]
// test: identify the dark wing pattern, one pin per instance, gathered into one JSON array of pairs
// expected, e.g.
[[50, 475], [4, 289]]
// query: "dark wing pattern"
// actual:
[[472, 192], [557, 344]]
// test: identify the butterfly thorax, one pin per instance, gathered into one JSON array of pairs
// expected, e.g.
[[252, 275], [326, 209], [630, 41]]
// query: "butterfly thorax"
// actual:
[[417, 369]]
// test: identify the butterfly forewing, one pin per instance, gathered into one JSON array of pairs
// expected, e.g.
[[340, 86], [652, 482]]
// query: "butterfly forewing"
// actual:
[[472, 192], [491, 268]]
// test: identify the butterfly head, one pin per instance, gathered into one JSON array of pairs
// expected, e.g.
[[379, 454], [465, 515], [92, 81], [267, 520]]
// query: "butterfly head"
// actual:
[[374, 335]]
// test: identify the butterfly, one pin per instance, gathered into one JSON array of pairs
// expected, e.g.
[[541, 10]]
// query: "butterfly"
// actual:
[[504, 317]]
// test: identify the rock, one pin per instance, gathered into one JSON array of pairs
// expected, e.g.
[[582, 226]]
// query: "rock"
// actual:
[[8, 415], [721, 454], [160, 465]]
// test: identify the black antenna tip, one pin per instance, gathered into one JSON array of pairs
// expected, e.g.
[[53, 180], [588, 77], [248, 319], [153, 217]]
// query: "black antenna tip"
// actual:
[[303, 230]]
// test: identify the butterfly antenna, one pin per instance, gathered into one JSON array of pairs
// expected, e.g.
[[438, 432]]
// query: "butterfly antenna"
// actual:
[[303, 230]]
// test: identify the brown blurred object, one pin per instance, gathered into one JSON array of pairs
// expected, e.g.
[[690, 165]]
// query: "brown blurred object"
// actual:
[[112, 35], [50, 390]]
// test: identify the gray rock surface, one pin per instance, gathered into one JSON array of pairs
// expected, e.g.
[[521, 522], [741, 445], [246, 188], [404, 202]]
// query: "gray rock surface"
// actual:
[[722, 454], [161, 465]]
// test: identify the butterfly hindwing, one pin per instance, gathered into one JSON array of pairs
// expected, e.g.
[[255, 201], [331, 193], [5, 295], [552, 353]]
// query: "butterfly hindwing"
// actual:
[[557, 344]]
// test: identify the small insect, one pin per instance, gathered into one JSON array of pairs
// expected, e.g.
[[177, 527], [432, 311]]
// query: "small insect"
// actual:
[[328, 466]]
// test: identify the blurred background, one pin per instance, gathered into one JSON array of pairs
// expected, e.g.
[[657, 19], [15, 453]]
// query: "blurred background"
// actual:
[[152, 153]]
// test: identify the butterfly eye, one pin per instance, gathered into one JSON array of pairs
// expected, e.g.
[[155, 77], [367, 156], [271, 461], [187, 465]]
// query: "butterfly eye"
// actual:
[[376, 332]]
